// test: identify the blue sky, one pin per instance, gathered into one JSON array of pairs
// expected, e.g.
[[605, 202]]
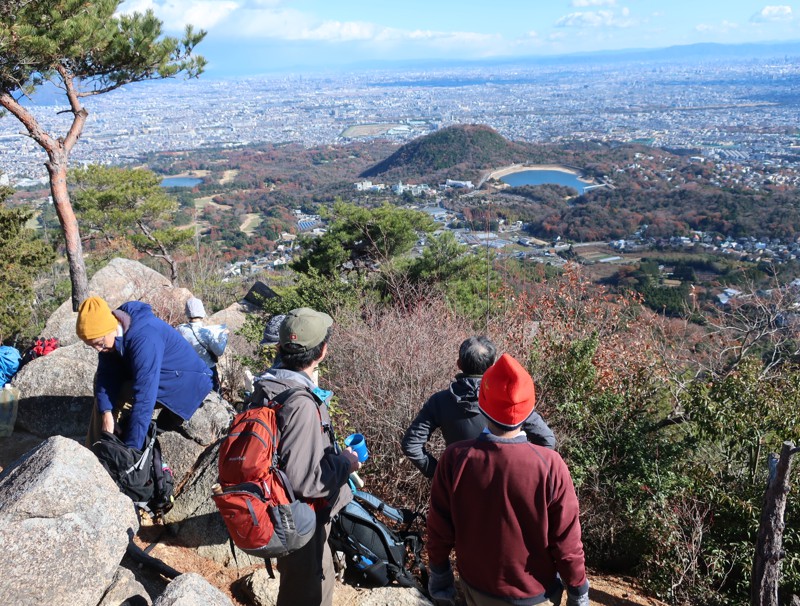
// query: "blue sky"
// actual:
[[248, 37]]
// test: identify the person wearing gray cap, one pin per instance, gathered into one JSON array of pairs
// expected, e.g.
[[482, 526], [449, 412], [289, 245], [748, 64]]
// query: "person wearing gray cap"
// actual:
[[208, 341], [317, 469]]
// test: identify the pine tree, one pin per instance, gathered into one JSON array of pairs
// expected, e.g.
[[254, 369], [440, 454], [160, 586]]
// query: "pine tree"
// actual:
[[115, 202], [23, 256], [83, 48]]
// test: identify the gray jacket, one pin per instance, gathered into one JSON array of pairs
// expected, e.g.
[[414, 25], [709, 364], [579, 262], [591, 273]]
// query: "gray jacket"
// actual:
[[455, 411], [307, 448]]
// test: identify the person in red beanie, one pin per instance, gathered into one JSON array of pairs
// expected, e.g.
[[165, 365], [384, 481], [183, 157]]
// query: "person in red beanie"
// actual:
[[507, 507]]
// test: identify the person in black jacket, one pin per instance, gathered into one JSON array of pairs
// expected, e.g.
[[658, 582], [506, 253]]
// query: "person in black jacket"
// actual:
[[455, 410]]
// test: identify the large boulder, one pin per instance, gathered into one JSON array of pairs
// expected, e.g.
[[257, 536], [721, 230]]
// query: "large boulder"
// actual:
[[56, 392], [120, 281], [210, 421], [180, 454], [259, 589], [125, 590], [396, 596], [64, 527], [191, 589]]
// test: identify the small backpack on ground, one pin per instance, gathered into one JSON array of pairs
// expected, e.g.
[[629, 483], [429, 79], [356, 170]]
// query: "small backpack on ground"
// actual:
[[255, 497], [9, 363], [376, 555], [41, 347], [140, 474]]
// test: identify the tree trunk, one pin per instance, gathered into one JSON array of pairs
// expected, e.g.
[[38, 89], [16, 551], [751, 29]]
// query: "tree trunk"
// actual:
[[766, 562], [57, 167], [58, 151]]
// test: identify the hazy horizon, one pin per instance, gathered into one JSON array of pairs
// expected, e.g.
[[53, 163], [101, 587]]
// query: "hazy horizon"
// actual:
[[252, 37]]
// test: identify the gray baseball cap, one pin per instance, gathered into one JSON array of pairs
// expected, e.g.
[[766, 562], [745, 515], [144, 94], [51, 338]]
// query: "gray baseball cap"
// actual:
[[303, 329]]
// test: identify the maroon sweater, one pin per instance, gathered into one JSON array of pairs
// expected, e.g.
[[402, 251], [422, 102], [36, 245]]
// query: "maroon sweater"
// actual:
[[509, 509]]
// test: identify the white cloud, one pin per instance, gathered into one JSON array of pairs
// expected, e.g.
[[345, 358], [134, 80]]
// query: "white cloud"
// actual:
[[717, 28], [603, 18], [176, 14], [773, 13], [277, 20], [585, 3]]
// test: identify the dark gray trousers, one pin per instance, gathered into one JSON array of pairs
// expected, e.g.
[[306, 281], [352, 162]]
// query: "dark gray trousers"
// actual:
[[306, 575]]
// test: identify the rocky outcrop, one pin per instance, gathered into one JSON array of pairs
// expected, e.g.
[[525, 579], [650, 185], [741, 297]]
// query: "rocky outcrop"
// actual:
[[180, 454], [56, 392], [396, 596], [258, 588], [191, 589], [120, 281], [125, 590], [63, 527], [210, 421]]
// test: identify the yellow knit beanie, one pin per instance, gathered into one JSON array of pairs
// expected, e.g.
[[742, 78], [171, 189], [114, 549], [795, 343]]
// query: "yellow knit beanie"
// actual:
[[94, 319]]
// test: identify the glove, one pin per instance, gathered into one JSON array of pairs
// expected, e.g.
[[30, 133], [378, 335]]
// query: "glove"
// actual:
[[574, 599], [441, 586]]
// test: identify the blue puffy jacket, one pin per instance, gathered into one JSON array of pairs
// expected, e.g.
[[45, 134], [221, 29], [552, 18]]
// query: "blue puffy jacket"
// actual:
[[162, 366]]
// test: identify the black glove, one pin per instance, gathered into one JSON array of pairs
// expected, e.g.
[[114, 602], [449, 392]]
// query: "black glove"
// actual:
[[441, 586]]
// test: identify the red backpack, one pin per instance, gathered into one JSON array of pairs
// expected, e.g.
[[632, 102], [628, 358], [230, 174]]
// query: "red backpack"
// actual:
[[254, 495]]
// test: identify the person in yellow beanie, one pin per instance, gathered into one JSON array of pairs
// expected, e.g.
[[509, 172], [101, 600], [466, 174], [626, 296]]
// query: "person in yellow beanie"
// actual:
[[143, 363]]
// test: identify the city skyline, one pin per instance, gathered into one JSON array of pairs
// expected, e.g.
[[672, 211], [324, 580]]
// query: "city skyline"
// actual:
[[251, 37]]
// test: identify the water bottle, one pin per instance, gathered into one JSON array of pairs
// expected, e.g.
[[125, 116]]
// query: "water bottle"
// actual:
[[9, 398]]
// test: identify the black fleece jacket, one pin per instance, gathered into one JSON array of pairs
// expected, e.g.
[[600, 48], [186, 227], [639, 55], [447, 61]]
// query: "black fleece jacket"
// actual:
[[455, 411]]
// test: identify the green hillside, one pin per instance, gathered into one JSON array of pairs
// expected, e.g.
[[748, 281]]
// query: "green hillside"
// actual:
[[459, 151]]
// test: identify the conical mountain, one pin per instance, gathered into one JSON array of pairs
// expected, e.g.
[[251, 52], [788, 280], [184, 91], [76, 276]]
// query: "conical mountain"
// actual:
[[455, 152]]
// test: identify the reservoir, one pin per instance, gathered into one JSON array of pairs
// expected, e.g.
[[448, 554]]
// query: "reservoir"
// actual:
[[180, 182], [544, 177]]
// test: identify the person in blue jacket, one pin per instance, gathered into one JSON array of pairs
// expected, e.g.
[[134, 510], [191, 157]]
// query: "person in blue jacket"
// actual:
[[143, 363]]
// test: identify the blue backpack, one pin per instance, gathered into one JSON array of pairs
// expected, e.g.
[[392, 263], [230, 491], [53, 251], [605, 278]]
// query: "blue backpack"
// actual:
[[375, 554], [9, 363]]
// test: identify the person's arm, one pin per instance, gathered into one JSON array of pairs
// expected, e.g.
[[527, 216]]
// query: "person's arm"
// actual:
[[313, 468], [538, 431], [439, 522], [144, 355], [107, 381], [564, 532], [415, 438]]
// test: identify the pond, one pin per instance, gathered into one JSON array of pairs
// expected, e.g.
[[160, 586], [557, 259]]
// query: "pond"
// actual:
[[543, 177], [180, 181]]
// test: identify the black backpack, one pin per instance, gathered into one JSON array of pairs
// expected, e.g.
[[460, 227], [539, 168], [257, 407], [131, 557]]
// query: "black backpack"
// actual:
[[142, 475], [376, 555]]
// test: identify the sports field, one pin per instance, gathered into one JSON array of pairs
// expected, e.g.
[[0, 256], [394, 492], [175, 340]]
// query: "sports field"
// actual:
[[367, 130]]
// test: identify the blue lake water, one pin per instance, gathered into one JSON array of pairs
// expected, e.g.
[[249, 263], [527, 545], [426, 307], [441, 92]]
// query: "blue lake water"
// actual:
[[543, 177], [180, 182]]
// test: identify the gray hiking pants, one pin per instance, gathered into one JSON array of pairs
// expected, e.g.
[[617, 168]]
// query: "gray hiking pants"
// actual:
[[307, 576]]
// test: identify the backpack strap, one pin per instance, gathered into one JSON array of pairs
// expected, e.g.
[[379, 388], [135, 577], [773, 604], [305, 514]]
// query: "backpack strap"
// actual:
[[214, 357], [375, 504]]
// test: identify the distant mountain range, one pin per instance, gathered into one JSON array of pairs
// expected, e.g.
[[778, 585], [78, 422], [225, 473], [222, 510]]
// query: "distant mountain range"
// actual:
[[788, 50]]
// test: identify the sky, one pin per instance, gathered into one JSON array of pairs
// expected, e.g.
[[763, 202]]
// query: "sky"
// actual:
[[250, 37]]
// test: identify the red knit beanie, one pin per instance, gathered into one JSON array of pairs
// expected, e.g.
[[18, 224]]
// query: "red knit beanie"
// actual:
[[507, 395]]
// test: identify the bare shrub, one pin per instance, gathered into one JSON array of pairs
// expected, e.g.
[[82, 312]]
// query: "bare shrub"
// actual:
[[383, 364], [203, 274]]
